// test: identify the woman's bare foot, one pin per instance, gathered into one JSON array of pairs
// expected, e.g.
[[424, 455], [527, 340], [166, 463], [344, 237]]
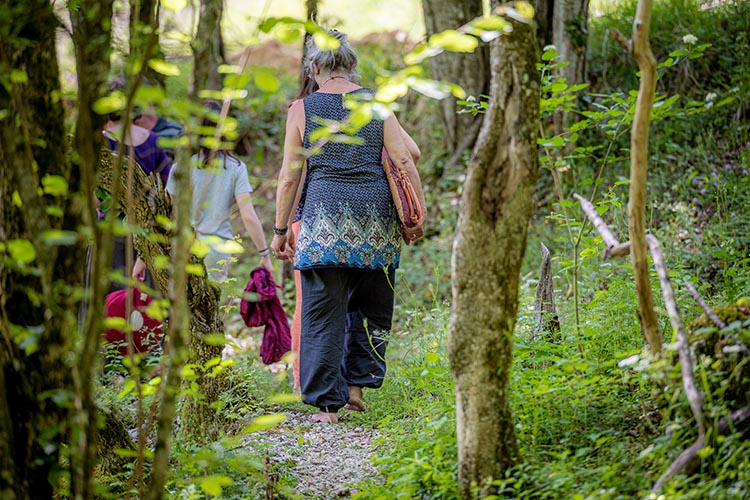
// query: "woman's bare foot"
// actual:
[[325, 417], [355, 399]]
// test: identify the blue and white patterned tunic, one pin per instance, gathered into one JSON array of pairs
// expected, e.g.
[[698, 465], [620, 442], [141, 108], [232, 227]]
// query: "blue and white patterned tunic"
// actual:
[[347, 218]]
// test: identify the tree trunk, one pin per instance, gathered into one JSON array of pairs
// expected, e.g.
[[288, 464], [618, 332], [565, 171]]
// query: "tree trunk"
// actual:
[[90, 20], [208, 47], [543, 15], [570, 37], [144, 37], [639, 172], [470, 71], [38, 300], [488, 251], [199, 421]]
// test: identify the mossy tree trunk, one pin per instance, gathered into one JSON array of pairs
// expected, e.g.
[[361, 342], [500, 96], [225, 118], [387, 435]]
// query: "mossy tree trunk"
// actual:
[[41, 274], [90, 20], [488, 250], [470, 71], [199, 421]]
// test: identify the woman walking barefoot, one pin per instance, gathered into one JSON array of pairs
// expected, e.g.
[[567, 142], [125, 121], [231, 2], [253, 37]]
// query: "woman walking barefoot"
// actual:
[[348, 246]]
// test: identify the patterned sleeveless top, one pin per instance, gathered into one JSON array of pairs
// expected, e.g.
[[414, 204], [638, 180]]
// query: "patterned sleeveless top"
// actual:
[[347, 216]]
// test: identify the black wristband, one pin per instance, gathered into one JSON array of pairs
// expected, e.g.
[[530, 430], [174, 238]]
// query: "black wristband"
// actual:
[[280, 231]]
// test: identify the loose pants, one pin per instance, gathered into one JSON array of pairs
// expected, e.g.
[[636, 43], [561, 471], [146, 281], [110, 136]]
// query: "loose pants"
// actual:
[[338, 351]]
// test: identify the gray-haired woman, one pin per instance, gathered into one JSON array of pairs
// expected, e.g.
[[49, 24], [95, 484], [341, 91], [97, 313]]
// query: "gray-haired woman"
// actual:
[[348, 247]]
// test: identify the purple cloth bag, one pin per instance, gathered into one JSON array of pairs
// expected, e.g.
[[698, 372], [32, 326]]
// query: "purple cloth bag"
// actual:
[[267, 311]]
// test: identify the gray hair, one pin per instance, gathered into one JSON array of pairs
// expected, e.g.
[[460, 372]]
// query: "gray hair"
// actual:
[[341, 59]]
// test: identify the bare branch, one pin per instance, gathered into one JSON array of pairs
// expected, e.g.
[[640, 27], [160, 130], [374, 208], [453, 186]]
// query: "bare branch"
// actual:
[[601, 227], [693, 394], [709, 312], [626, 43]]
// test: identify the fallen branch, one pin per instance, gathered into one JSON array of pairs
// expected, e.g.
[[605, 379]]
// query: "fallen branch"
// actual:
[[601, 227], [694, 396], [738, 420], [709, 312]]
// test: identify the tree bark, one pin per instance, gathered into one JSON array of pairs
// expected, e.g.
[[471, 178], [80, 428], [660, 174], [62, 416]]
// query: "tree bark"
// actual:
[[470, 71], [90, 20], [546, 320], [199, 421], [144, 37], [488, 251], [570, 38], [638, 174], [208, 47], [38, 299]]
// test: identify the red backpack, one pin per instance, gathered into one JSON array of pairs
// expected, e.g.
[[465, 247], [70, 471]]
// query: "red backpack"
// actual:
[[147, 332]]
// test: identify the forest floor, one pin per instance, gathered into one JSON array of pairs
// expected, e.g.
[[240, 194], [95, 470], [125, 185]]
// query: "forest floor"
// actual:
[[326, 460], [323, 460]]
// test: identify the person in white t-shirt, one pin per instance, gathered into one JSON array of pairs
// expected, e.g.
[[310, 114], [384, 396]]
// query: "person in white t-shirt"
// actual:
[[218, 181]]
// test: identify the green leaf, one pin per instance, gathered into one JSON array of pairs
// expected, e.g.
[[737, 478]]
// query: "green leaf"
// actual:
[[22, 251], [214, 339], [158, 310], [420, 53], [525, 9], [324, 41], [491, 23], [54, 185], [212, 484], [288, 33], [212, 362], [195, 269], [174, 5], [454, 41], [127, 388], [432, 357], [18, 76], [58, 237], [108, 104], [284, 398], [266, 80], [264, 422], [163, 67], [17, 199], [391, 91]]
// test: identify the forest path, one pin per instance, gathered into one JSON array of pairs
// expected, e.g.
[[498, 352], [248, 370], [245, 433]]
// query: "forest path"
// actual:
[[326, 459]]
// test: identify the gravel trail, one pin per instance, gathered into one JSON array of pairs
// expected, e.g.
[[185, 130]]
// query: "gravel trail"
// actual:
[[326, 459]]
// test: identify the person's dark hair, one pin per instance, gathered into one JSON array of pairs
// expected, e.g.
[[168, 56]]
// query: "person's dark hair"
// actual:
[[308, 85], [210, 120], [341, 59]]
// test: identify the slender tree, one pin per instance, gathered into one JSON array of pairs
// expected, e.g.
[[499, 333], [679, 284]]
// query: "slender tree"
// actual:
[[208, 47], [470, 71], [144, 37], [641, 48], [488, 250]]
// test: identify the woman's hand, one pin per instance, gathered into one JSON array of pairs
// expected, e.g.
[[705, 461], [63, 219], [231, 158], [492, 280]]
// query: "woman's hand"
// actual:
[[139, 270], [265, 261], [279, 247], [412, 234]]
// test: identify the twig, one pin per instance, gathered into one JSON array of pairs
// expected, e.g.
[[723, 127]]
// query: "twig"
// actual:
[[694, 396], [709, 312], [601, 227], [626, 43]]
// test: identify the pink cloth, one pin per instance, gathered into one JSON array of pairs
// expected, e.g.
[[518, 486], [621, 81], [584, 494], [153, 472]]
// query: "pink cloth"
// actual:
[[267, 311]]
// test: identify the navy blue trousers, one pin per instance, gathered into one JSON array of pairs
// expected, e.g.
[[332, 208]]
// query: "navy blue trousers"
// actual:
[[346, 322]]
